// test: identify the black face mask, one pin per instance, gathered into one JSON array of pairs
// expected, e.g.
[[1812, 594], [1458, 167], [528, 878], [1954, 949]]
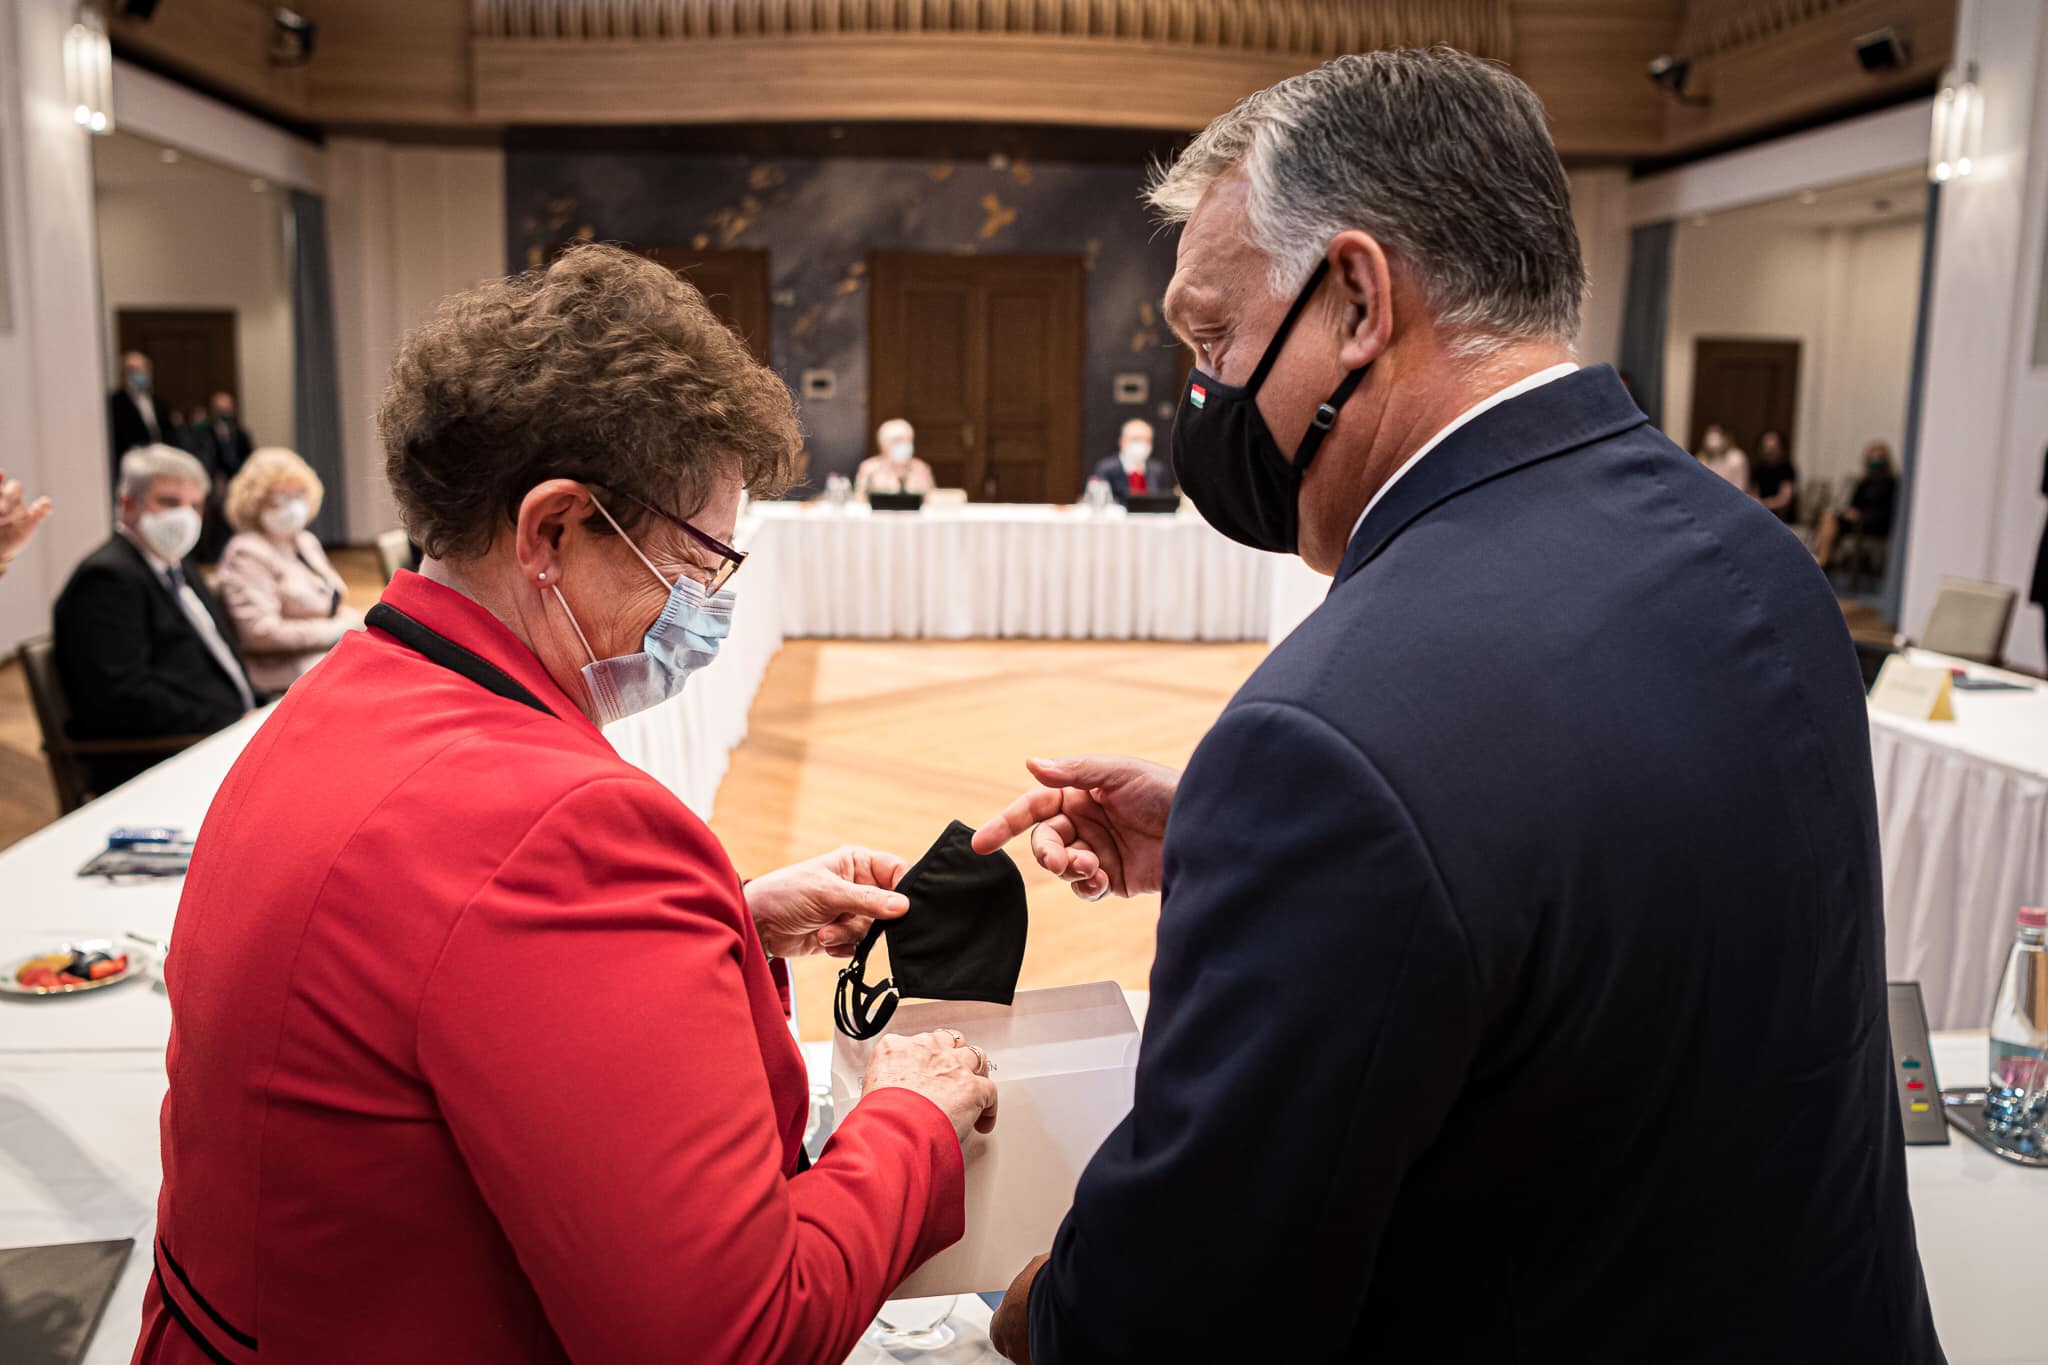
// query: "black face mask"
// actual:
[[1227, 461], [962, 938]]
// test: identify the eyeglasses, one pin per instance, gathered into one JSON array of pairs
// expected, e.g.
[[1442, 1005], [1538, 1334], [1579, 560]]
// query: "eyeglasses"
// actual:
[[729, 558]]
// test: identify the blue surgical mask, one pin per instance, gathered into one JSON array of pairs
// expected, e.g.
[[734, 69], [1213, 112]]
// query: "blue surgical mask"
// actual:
[[683, 639]]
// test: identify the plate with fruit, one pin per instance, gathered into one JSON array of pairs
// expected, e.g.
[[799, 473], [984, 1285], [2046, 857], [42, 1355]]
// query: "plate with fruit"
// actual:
[[84, 966]]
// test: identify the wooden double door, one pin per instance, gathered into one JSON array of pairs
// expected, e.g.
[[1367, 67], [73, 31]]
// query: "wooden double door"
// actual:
[[983, 355], [192, 354], [1746, 384]]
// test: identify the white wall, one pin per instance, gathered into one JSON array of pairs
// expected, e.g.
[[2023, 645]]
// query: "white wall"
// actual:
[[1600, 212], [207, 241], [1866, 353], [407, 225], [1976, 500], [1847, 295], [52, 416]]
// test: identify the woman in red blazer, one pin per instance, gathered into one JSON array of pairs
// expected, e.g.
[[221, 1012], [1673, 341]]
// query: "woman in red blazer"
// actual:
[[479, 1047]]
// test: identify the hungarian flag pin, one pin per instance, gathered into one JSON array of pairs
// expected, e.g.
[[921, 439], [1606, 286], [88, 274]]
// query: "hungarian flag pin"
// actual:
[[1197, 394]]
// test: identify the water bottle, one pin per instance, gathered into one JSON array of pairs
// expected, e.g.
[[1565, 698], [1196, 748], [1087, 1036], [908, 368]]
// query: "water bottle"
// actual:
[[2016, 1100]]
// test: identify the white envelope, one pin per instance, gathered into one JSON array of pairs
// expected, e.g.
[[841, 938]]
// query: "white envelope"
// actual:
[[1065, 1063]]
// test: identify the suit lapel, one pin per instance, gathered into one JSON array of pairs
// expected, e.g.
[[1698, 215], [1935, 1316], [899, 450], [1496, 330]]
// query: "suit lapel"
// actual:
[[1557, 418]]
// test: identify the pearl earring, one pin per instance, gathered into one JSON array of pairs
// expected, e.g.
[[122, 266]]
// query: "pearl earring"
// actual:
[[542, 575]]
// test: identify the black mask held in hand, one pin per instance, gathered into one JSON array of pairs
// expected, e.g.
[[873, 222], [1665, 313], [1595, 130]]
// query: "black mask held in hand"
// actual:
[[962, 938], [1226, 460]]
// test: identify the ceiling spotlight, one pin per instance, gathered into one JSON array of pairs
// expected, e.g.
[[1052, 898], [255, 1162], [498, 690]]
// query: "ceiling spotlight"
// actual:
[[1699, 220], [169, 156], [291, 42], [1670, 74], [1882, 50], [259, 185], [1809, 197]]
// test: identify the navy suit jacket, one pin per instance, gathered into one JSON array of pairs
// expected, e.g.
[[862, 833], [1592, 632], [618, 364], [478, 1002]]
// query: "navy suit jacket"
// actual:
[[1520, 985], [1110, 469]]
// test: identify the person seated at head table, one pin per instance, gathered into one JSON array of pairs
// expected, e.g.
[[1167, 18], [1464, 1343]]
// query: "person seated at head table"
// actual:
[[18, 519], [1723, 456], [1871, 504], [896, 469], [143, 647], [1773, 479], [479, 1046], [284, 595], [1134, 468]]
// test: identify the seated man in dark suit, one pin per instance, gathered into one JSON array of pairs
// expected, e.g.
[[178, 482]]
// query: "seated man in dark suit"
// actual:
[[134, 415], [142, 645], [1520, 988], [1134, 468]]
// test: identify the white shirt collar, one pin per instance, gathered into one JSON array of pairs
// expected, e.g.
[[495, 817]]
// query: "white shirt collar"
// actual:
[[151, 557], [1493, 400]]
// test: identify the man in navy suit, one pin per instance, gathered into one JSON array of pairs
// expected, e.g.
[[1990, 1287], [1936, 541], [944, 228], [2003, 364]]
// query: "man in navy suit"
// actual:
[[1519, 991], [1134, 468]]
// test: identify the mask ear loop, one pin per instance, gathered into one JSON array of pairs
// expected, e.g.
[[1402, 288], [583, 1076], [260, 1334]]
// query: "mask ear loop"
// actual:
[[861, 1010], [563, 602], [629, 543], [1325, 418]]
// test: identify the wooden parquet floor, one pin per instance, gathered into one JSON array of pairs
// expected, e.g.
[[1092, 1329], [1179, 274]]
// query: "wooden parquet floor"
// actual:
[[883, 743]]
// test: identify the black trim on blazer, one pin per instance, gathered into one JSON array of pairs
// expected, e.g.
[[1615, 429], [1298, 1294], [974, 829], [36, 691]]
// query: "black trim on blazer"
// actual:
[[240, 1337], [451, 656]]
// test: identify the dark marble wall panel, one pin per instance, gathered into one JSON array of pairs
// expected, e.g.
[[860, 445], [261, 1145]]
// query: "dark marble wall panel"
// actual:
[[819, 218]]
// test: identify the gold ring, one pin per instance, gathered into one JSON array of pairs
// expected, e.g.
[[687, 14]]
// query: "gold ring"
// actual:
[[959, 1040], [981, 1062]]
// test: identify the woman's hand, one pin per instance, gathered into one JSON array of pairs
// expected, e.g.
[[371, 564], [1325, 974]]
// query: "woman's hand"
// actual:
[[944, 1068], [18, 518], [825, 904], [1098, 823]]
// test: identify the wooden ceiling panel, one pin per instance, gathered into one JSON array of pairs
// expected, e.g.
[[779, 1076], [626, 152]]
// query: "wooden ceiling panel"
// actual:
[[1763, 64], [471, 67], [1588, 60]]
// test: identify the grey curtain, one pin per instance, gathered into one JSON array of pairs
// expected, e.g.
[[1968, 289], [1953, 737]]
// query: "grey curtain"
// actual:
[[1646, 315], [1891, 592], [315, 379]]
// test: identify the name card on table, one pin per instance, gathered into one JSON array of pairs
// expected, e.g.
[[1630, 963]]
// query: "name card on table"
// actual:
[[1913, 692]]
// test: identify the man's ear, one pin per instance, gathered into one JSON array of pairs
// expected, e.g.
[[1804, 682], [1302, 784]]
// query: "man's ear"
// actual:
[[546, 514], [1365, 291]]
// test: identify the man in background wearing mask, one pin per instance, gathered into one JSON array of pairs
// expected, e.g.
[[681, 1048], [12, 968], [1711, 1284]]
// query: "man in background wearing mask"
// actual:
[[1134, 468], [1520, 988], [223, 446], [133, 415], [897, 469], [143, 647]]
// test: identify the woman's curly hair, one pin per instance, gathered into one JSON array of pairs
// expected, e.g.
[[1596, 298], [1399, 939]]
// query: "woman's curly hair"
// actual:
[[604, 367], [270, 470]]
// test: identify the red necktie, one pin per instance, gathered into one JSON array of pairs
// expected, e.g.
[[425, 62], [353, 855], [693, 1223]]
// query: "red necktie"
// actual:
[[1138, 484]]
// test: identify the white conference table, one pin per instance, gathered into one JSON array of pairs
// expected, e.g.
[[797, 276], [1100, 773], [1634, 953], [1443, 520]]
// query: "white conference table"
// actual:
[[1008, 571], [1962, 813]]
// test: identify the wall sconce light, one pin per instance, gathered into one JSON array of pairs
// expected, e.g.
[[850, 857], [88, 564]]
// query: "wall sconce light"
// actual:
[[1958, 123], [89, 71]]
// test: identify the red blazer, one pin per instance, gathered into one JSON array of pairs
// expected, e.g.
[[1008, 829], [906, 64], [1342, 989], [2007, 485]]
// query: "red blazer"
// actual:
[[475, 1055]]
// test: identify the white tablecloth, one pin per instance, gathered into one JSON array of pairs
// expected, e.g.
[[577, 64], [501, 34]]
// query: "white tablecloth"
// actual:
[[688, 742], [1003, 571], [1962, 811]]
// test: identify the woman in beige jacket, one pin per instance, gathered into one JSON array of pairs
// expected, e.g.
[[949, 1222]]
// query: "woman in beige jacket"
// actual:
[[285, 598]]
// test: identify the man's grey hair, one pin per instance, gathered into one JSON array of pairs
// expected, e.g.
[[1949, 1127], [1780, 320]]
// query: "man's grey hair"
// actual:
[[1444, 158], [144, 465]]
